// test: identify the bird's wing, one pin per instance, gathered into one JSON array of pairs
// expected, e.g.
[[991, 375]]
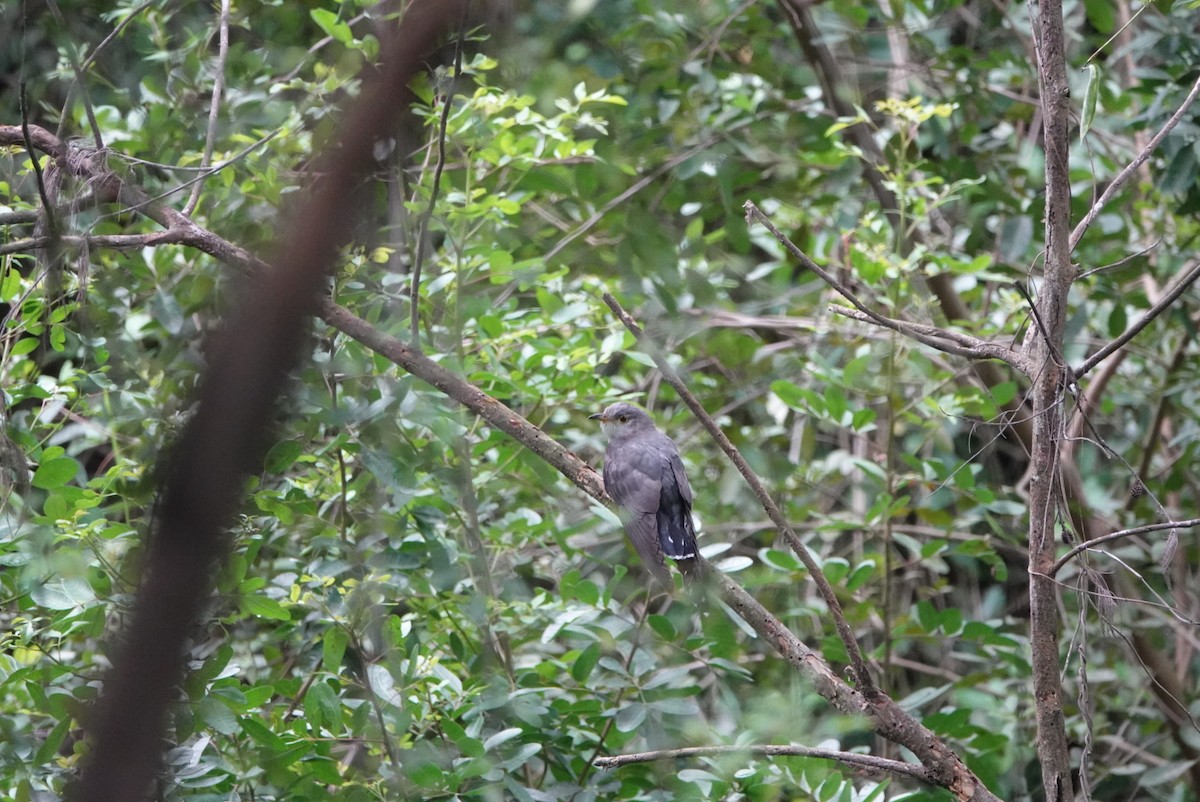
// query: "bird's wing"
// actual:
[[680, 477], [676, 532], [633, 477]]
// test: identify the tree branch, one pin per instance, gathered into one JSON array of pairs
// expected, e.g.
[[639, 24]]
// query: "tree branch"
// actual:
[[852, 759], [828, 74], [1123, 177], [423, 228], [1089, 545], [214, 108], [1188, 278], [1047, 394], [950, 342]]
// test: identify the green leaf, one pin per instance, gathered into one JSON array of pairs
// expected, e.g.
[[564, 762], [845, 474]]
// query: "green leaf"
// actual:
[[265, 607], [631, 716], [55, 473], [261, 735], [216, 714], [581, 669], [794, 396], [1090, 95], [333, 648], [1003, 393], [54, 739], [663, 627], [10, 286], [780, 560], [427, 775], [283, 455], [63, 594], [1118, 320], [332, 26], [927, 616], [500, 738]]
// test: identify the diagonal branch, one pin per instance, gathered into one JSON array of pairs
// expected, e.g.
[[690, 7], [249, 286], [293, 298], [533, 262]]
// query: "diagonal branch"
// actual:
[[214, 108], [1123, 177], [825, 66], [854, 760], [1088, 545], [1186, 280], [943, 340], [859, 666], [423, 228]]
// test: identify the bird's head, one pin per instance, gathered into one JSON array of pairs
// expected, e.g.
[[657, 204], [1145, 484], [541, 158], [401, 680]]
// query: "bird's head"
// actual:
[[621, 419]]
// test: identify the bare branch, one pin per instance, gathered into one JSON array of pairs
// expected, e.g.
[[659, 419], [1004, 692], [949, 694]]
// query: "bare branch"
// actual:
[[214, 107], [950, 342], [423, 229], [1089, 545], [1047, 394], [851, 759], [1123, 177], [1188, 277], [825, 66], [114, 241]]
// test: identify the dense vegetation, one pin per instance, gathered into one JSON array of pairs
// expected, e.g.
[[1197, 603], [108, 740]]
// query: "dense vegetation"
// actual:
[[416, 605]]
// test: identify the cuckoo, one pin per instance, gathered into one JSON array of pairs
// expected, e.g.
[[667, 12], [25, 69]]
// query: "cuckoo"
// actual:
[[644, 475]]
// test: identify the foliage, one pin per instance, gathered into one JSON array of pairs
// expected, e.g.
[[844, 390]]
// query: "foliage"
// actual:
[[418, 607]]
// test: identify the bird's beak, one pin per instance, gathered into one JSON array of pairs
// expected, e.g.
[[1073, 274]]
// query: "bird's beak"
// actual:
[[598, 416]]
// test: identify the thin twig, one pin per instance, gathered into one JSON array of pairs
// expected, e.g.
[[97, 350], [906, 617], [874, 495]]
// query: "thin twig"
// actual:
[[1122, 261], [638, 186], [1131, 168], [1172, 295], [1088, 545], [852, 759], [952, 343], [216, 168], [73, 59], [423, 229], [861, 675], [114, 241], [214, 107], [39, 178], [87, 63]]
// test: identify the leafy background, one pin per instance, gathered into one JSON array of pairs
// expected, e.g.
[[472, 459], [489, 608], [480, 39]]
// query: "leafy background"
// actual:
[[418, 607]]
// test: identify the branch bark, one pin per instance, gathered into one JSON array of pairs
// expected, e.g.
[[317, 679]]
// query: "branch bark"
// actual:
[[1048, 392]]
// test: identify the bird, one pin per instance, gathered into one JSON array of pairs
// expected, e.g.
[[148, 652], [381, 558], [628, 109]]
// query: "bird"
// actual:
[[643, 473]]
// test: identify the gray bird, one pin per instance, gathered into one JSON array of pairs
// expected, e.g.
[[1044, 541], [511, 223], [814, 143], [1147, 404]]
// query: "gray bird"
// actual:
[[644, 475]]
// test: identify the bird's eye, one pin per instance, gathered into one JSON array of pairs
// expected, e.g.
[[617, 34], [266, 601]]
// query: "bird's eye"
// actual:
[[623, 418]]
